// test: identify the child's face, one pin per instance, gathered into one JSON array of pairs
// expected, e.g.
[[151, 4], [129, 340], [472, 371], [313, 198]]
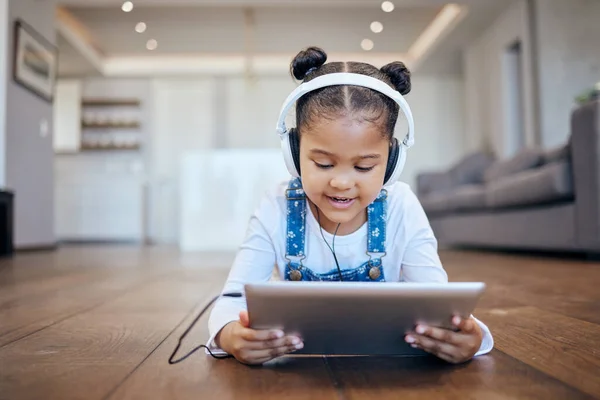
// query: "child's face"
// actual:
[[343, 164]]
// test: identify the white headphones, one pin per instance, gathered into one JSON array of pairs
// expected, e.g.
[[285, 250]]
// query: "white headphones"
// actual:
[[290, 144]]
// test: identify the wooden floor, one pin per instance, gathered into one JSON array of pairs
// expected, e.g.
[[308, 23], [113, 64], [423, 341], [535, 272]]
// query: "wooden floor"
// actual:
[[101, 322]]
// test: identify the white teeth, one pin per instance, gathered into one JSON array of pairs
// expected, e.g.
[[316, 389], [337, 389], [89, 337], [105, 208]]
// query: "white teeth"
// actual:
[[341, 200]]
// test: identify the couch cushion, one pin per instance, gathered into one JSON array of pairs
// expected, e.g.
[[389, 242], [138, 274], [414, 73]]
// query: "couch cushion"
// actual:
[[467, 197], [525, 159], [471, 168], [549, 183], [559, 153], [436, 203], [467, 171], [429, 182]]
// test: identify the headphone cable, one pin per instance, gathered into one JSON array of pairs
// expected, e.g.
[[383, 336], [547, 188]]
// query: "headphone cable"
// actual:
[[333, 242], [171, 361]]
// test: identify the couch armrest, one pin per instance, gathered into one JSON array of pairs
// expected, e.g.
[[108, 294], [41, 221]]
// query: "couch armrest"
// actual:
[[429, 182], [585, 156]]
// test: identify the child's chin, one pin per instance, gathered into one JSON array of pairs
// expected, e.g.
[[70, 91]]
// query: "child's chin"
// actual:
[[341, 216]]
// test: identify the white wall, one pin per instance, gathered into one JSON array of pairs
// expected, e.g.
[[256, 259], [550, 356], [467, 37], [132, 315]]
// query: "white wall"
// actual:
[[67, 116], [488, 124], [560, 61], [437, 104], [186, 117], [28, 147], [568, 33], [220, 188], [4, 69], [101, 195], [183, 120], [99, 198], [253, 109]]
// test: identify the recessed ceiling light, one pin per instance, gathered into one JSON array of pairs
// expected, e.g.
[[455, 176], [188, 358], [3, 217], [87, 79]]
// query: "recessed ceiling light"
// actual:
[[140, 27], [376, 26], [387, 6], [127, 6], [367, 44], [151, 44]]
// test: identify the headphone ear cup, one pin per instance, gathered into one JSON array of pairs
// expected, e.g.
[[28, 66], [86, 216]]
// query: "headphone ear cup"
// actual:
[[396, 162], [288, 158], [392, 161], [295, 148]]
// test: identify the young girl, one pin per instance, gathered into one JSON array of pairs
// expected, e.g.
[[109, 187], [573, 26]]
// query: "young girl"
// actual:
[[339, 214]]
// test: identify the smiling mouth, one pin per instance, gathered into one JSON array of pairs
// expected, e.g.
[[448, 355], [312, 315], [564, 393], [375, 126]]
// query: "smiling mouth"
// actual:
[[341, 203], [341, 199]]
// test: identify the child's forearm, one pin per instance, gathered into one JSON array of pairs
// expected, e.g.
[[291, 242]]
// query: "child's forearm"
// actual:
[[221, 338], [225, 311]]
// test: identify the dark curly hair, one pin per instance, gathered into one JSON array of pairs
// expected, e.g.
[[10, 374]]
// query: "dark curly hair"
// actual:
[[336, 101]]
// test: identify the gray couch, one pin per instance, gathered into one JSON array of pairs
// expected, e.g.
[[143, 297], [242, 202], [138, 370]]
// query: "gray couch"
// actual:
[[546, 200]]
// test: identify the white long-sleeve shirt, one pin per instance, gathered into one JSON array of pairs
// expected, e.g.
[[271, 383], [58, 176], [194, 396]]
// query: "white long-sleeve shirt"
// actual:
[[410, 244]]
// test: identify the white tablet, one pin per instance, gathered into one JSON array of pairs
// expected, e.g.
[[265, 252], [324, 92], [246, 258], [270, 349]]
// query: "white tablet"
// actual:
[[357, 318]]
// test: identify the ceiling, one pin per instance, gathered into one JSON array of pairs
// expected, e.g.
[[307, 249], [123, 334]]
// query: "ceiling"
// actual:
[[71, 62], [267, 27], [278, 3], [275, 30]]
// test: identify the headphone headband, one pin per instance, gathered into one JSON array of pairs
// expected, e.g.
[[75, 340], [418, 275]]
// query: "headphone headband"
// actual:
[[347, 78]]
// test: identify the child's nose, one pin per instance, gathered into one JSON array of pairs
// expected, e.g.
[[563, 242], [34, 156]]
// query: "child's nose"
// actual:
[[342, 182]]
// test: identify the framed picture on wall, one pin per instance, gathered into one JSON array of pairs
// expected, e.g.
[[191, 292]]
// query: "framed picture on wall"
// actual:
[[35, 61]]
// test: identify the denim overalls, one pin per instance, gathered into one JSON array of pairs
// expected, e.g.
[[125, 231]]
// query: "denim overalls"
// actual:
[[370, 271]]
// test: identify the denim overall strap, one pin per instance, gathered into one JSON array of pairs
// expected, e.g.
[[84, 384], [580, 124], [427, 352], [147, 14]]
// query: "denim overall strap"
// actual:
[[376, 233], [296, 220], [369, 271], [376, 223]]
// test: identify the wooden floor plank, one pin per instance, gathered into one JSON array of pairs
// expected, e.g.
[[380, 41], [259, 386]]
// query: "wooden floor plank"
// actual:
[[202, 377], [102, 321], [495, 377], [565, 348], [567, 287], [86, 356], [39, 290], [23, 317]]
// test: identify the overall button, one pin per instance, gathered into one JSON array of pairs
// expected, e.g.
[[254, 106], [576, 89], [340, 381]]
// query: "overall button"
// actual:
[[374, 273], [296, 275]]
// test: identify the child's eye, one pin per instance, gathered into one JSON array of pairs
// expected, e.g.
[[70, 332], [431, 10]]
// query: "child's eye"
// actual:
[[323, 166], [364, 169]]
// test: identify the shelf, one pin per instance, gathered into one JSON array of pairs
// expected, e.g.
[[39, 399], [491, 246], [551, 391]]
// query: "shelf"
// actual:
[[110, 125], [85, 147], [106, 102]]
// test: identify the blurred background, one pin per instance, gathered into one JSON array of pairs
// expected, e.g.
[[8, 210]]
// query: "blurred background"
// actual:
[[152, 122]]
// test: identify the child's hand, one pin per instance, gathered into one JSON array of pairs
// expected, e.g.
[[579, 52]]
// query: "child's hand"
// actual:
[[454, 347], [251, 346]]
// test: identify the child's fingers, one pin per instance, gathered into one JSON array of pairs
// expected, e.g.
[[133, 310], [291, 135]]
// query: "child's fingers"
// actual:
[[443, 356], [261, 356], [288, 341], [466, 325], [440, 334], [244, 319], [431, 345], [253, 335]]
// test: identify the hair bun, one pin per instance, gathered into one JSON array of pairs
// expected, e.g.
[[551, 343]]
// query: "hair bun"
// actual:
[[307, 61], [399, 75]]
